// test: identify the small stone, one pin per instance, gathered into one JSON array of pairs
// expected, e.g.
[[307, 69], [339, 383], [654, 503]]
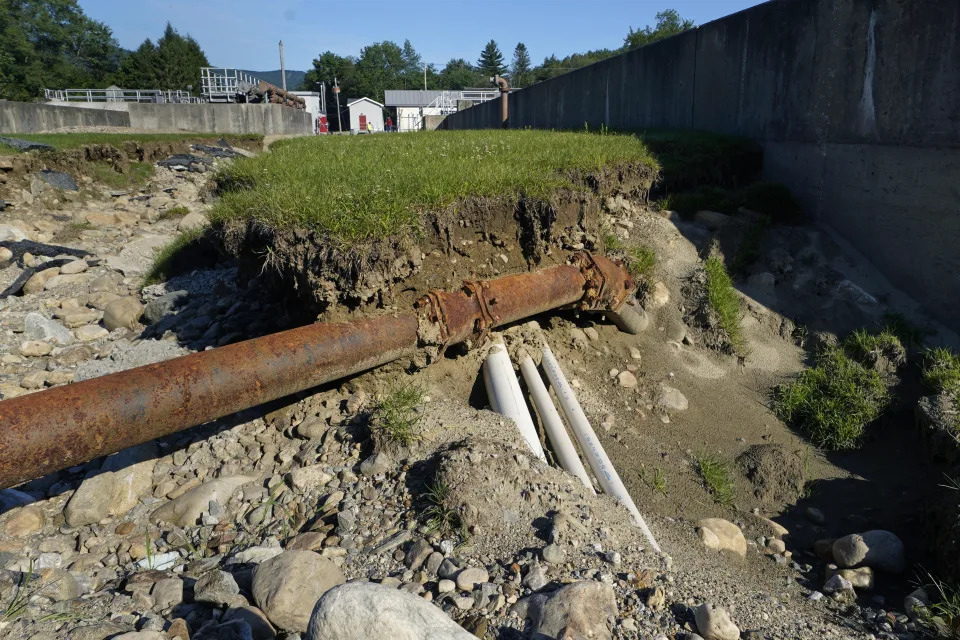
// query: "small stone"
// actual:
[[717, 533], [672, 399], [591, 333], [187, 508], [286, 587], [23, 521], [376, 464], [308, 478], [713, 623], [776, 545], [468, 578], [878, 549], [216, 587], [122, 313], [77, 266], [627, 380], [35, 348], [860, 578], [554, 554], [837, 583], [192, 222], [90, 332], [815, 516], [446, 586], [635, 353], [536, 579], [417, 553], [658, 296]]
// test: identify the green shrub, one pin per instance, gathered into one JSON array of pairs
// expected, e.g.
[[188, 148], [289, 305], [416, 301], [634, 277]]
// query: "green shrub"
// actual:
[[397, 414], [724, 301], [715, 474], [641, 263], [834, 401]]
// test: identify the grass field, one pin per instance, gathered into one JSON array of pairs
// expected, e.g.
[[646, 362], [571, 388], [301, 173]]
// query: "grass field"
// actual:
[[362, 187], [77, 140]]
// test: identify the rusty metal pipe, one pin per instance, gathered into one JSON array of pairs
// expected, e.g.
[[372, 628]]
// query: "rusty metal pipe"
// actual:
[[72, 424], [504, 87]]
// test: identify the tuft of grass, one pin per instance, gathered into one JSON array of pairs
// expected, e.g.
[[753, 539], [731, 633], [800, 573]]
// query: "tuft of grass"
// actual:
[[174, 212], [77, 140], [438, 516], [397, 414], [166, 257], [943, 614], [941, 370], [137, 175], [834, 401], [724, 301], [21, 596], [641, 262], [657, 480], [358, 188], [715, 474], [869, 349], [908, 333]]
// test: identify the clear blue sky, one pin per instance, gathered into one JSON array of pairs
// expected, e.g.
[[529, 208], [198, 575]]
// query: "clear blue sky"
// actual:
[[244, 33]]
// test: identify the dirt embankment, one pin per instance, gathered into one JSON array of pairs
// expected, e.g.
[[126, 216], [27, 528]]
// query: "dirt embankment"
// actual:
[[474, 238]]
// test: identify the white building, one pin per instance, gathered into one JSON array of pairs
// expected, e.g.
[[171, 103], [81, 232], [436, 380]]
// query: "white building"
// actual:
[[412, 106], [315, 104], [363, 111]]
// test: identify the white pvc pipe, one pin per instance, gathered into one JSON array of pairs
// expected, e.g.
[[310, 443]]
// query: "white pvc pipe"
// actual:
[[503, 389], [552, 424], [590, 444]]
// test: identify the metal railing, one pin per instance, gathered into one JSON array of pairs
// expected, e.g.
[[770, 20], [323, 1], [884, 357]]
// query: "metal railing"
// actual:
[[219, 84], [120, 95]]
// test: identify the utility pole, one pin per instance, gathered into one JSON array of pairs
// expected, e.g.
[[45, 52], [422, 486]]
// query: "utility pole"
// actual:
[[283, 71], [424, 76], [336, 92]]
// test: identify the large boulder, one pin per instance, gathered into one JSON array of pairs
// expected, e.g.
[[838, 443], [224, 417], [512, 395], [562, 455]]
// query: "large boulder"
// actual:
[[286, 587], [720, 534], [122, 313], [878, 549], [578, 610], [362, 610]]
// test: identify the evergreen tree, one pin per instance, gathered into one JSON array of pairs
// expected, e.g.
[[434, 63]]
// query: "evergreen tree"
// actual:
[[412, 67], [172, 63], [491, 60], [521, 65]]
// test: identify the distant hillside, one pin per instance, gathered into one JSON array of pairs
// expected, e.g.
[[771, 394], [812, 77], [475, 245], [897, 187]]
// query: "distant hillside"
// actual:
[[294, 78]]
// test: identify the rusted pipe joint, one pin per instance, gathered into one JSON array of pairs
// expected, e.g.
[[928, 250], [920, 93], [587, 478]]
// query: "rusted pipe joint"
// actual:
[[608, 282]]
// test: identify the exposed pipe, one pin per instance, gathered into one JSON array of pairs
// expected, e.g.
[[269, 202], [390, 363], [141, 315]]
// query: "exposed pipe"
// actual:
[[69, 425], [503, 389], [504, 87], [552, 424], [597, 458]]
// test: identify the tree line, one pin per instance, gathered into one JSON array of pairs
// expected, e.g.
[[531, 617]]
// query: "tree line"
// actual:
[[53, 44], [387, 65]]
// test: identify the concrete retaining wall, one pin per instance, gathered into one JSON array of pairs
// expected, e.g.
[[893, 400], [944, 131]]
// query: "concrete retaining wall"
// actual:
[[856, 103], [266, 119], [26, 117]]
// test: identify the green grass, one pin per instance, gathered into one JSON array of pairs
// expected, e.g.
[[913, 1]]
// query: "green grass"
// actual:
[[138, 175], [438, 517], [77, 140], [361, 187], [771, 199], [910, 335], [943, 614], [715, 474], [724, 301], [941, 374], [870, 348], [166, 257], [641, 263], [397, 414], [834, 401]]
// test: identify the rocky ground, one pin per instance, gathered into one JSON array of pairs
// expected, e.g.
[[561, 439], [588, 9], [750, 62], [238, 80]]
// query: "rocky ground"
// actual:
[[236, 528]]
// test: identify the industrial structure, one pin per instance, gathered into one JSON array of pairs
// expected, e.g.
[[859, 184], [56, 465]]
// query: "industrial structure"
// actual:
[[114, 93], [411, 108]]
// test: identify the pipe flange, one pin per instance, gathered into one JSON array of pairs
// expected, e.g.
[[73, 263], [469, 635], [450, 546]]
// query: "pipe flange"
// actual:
[[486, 320], [608, 284]]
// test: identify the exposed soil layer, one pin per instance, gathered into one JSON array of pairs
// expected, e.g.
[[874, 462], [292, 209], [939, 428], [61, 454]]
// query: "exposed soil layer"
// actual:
[[474, 238]]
